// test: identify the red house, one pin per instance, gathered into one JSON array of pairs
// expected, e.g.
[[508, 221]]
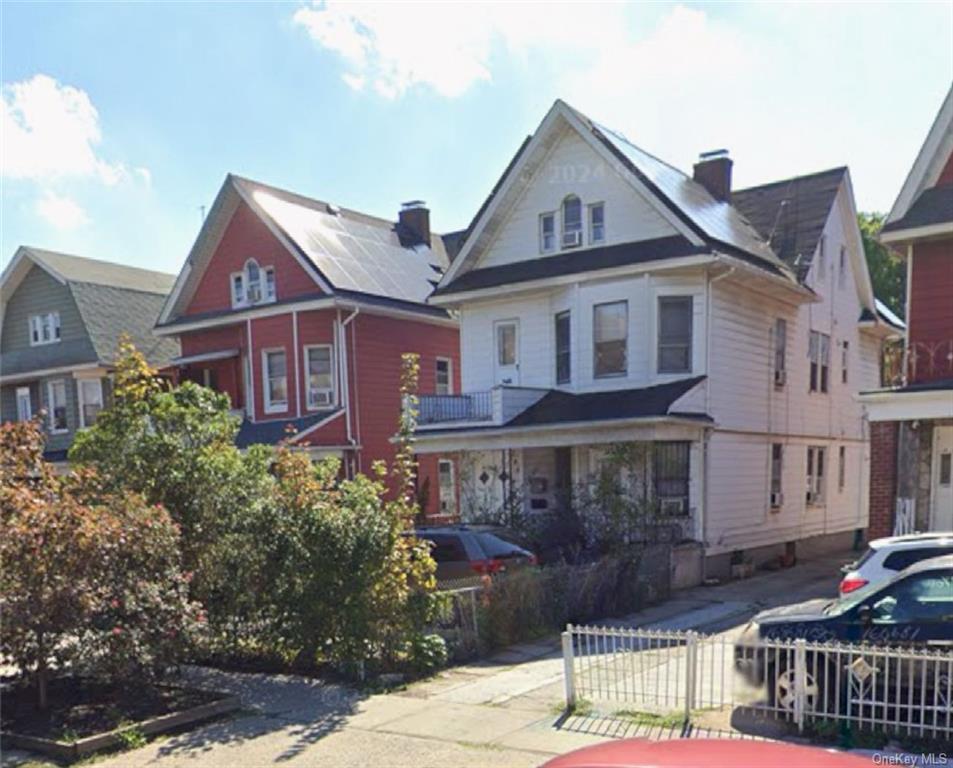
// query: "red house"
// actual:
[[300, 310], [912, 421]]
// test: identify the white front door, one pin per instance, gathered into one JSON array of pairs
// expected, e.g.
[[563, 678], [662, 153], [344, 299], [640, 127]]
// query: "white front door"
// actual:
[[506, 333], [942, 496]]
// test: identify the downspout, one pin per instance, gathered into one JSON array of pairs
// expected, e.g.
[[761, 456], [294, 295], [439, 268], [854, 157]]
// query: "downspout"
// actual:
[[344, 376], [294, 338]]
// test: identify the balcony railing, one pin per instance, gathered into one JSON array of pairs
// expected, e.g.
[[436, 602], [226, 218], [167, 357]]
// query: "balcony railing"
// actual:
[[435, 409], [918, 362]]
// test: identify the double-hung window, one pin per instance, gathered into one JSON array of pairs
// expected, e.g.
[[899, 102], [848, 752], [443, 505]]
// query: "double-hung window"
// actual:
[[563, 348], [275, 376], [24, 404], [777, 469], [780, 351], [597, 223], [443, 384], [547, 232], [610, 336], [44, 329], [56, 402], [320, 375], [90, 400], [447, 487], [675, 334], [671, 474], [819, 353], [253, 285], [816, 459], [572, 222]]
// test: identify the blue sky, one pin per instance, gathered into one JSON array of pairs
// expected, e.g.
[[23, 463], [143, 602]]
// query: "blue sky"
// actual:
[[121, 120]]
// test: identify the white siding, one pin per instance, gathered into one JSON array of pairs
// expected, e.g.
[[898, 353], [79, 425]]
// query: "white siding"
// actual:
[[751, 413], [574, 168]]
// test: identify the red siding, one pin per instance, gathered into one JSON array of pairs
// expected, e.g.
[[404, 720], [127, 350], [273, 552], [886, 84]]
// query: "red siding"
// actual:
[[377, 344], [227, 373], [246, 237], [318, 328], [931, 311], [273, 333]]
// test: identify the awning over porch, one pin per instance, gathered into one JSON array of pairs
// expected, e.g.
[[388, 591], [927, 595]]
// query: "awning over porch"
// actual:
[[924, 400], [567, 418]]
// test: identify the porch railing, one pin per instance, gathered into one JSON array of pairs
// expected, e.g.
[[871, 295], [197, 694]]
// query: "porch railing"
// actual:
[[475, 406]]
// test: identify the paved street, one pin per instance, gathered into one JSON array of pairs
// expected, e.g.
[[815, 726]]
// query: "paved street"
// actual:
[[502, 711]]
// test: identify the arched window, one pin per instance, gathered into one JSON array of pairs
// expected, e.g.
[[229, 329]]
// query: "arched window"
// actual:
[[253, 280], [572, 222]]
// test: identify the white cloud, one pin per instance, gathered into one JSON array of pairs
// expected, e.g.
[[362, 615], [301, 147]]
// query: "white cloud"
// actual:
[[61, 212], [448, 47], [50, 131]]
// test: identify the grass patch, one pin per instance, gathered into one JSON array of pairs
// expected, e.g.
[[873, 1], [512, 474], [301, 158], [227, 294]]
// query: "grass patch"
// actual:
[[654, 719]]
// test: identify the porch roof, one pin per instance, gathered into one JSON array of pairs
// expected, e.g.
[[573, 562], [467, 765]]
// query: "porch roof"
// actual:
[[275, 430]]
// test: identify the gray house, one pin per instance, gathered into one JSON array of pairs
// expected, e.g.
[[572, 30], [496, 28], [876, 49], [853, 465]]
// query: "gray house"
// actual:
[[61, 318]]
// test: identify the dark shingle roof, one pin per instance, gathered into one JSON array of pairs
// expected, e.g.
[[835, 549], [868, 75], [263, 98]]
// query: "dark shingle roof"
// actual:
[[933, 206], [558, 407], [273, 432], [573, 262], [791, 214]]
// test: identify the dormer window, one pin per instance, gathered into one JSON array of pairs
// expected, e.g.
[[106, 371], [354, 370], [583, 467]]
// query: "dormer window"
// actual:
[[547, 232], [572, 222], [253, 285]]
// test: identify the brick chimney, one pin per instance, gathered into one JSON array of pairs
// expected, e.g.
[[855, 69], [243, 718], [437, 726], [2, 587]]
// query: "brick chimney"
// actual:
[[713, 172], [414, 220]]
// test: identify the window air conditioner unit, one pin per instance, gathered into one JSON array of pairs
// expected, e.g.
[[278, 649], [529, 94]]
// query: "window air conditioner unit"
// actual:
[[572, 239], [672, 507], [321, 398], [777, 498], [779, 378]]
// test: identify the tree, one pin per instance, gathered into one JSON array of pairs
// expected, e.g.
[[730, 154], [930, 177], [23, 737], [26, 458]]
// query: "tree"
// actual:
[[887, 271], [91, 579]]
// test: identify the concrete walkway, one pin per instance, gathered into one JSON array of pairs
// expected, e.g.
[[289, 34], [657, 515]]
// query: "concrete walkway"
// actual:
[[502, 711]]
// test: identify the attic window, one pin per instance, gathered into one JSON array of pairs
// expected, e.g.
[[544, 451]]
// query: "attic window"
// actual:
[[572, 222], [253, 285], [44, 329]]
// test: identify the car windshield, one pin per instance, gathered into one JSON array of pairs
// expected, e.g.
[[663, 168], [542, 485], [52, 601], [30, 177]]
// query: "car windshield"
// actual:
[[494, 546]]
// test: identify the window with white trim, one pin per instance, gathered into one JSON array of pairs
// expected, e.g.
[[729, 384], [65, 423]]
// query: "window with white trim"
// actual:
[[547, 232], [597, 223], [90, 400], [780, 351], [253, 285], [443, 376], [777, 471], [816, 459], [675, 334], [610, 338], [841, 468], [24, 404], [572, 222], [275, 380], [844, 360], [563, 348], [56, 404], [819, 353], [446, 487], [320, 366], [44, 329]]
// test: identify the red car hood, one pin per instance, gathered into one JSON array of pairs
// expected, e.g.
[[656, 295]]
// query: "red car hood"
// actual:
[[704, 753]]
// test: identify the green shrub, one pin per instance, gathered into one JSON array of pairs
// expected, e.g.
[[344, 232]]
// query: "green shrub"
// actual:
[[426, 654]]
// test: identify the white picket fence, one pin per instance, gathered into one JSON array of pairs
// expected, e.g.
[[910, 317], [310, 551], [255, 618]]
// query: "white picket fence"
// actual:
[[894, 689]]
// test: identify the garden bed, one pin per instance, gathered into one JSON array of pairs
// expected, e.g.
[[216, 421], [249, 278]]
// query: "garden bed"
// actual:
[[85, 716]]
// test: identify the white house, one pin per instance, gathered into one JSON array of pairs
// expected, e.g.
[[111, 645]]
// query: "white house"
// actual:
[[607, 298]]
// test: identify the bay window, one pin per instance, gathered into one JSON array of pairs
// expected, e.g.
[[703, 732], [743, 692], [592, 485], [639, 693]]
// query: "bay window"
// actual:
[[675, 334], [90, 401], [56, 403], [610, 332]]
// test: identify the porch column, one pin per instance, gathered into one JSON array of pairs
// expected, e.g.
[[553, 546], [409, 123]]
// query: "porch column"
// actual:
[[883, 477]]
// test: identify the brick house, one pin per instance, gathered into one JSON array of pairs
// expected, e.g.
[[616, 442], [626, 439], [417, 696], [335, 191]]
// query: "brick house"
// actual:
[[299, 311], [912, 421]]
